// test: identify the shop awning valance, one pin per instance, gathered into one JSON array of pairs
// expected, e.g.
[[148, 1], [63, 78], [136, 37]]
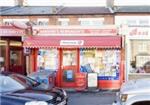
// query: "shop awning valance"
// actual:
[[73, 42]]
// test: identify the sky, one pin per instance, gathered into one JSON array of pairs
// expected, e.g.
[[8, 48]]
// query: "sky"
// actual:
[[75, 2]]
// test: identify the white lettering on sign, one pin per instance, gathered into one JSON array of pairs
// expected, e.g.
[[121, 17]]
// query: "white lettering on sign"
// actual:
[[72, 42], [74, 30]]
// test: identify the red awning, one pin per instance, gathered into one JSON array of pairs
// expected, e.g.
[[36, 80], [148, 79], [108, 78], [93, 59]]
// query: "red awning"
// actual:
[[73, 42]]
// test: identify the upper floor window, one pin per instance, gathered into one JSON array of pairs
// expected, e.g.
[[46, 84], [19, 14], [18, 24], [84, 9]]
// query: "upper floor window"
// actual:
[[139, 22], [9, 22], [91, 21], [132, 20], [144, 22], [63, 21], [42, 21]]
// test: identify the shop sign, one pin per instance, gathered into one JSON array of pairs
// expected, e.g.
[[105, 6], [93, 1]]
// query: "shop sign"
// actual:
[[10, 31], [27, 51], [139, 31], [92, 80], [109, 77], [76, 31], [72, 42], [81, 81]]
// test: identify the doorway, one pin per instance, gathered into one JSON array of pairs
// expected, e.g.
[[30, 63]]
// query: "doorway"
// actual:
[[69, 67], [17, 60]]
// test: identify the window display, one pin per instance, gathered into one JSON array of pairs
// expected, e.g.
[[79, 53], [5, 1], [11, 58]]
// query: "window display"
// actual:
[[104, 62], [47, 59], [2, 54], [15, 58], [140, 56], [69, 58]]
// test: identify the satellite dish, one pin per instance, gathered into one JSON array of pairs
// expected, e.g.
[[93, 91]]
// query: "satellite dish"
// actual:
[[20, 25]]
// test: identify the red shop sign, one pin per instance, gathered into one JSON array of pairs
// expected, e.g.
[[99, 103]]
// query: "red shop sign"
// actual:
[[70, 30], [81, 81]]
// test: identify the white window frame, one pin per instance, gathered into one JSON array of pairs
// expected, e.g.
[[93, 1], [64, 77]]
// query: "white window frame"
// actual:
[[123, 20], [91, 21], [64, 21], [44, 20], [13, 20], [147, 24]]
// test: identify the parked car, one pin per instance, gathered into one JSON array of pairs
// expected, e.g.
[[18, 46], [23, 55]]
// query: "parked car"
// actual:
[[134, 92], [16, 89]]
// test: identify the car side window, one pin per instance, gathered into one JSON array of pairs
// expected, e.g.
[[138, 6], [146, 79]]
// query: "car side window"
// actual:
[[21, 79], [142, 103], [9, 84], [24, 79]]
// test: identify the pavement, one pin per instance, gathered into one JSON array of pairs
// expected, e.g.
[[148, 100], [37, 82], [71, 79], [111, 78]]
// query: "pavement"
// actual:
[[92, 97]]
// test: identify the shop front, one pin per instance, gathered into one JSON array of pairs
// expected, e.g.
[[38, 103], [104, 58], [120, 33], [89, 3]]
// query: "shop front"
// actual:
[[79, 60], [11, 50], [137, 52]]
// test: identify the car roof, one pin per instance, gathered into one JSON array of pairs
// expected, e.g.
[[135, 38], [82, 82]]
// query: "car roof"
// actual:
[[136, 85], [6, 73]]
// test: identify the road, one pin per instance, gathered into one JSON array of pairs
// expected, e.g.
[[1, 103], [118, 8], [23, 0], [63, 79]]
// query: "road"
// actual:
[[91, 98]]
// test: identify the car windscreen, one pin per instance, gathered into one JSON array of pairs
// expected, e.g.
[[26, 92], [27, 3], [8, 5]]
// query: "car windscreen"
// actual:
[[9, 84], [26, 80]]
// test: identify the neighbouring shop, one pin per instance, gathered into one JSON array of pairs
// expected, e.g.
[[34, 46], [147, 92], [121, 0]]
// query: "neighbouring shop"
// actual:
[[81, 57], [138, 55], [11, 50]]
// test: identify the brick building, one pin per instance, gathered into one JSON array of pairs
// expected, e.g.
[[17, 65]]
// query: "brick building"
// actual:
[[67, 20], [134, 23]]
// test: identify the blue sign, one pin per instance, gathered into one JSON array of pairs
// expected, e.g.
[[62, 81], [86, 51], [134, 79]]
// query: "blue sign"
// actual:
[[69, 74], [109, 77]]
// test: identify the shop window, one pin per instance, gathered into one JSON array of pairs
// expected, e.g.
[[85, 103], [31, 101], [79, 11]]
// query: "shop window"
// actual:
[[140, 56], [87, 60], [15, 58], [3, 45], [104, 62], [47, 59]]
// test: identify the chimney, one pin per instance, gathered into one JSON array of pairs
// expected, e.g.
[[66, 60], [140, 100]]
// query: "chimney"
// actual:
[[57, 9], [22, 2], [110, 3]]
